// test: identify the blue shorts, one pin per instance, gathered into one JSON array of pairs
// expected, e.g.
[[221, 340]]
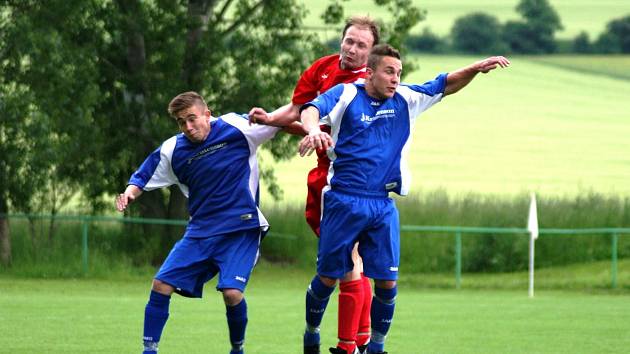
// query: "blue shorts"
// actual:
[[373, 222], [194, 261]]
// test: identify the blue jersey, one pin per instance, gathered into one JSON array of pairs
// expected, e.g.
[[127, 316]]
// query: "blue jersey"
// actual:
[[371, 137], [219, 176]]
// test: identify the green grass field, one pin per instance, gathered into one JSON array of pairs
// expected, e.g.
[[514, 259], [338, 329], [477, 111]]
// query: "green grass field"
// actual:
[[105, 316], [554, 125], [576, 15]]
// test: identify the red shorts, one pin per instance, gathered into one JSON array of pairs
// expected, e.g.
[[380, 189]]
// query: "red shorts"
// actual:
[[315, 183]]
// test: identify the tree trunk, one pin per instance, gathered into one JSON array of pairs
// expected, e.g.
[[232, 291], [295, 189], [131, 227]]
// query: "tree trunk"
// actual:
[[5, 236], [151, 205], [199, 11]]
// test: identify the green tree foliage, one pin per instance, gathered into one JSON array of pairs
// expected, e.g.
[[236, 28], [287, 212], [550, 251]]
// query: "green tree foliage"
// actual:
[[477, 33], [85, 85], [581, 43], [427, 41], [99, 74], [616, 38], [534, 34]]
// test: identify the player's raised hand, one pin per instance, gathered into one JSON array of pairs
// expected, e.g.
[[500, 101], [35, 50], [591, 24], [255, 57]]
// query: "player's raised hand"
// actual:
[[258, 115], [492, 63]]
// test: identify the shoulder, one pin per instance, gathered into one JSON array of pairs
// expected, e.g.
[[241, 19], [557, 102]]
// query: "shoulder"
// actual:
[[324, 63], [241, 123], [176, 140], [233, 119], [326, 60], [429, 88]]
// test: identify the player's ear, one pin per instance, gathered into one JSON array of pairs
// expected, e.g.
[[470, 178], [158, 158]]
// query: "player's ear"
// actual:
[[368, 73], [207, 113]]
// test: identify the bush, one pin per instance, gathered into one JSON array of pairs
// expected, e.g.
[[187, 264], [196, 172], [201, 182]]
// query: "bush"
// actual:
[[581, 43], [535, 33], [616, 38], [477, 33], [427, 42]]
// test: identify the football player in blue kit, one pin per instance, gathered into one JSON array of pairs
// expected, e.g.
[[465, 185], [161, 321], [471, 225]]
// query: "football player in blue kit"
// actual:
[[370, 136], [213, 161]]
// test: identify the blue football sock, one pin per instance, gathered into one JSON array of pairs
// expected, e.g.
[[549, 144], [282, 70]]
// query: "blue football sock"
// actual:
[[383, 304], [237, 322], [317, 297], [155, 316]]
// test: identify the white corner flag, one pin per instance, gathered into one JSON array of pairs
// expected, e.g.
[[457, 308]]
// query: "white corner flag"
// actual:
[[532, 227], [532, 219]]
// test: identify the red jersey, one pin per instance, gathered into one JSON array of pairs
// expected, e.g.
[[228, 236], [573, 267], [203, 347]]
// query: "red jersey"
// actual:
[[323, 74]]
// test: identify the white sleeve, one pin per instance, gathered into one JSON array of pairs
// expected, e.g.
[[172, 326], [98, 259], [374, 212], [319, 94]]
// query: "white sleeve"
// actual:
[[256, 134]]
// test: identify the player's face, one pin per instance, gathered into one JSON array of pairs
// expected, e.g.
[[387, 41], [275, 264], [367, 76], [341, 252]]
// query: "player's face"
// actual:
[[355, 47], [194, 122], [382, 82]]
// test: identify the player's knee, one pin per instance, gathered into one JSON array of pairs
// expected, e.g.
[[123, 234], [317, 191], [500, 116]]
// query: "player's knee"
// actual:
[[161, 287], [385, 284], [329, 282], [232, 297]]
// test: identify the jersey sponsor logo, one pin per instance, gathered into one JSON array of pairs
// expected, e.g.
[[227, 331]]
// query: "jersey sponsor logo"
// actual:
[[383, 113], [207, 151], [393, 269], [241, 279]]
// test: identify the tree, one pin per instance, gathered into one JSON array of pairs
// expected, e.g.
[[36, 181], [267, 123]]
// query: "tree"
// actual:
[[477, 33], [581, 43], [616, 38], [535, 33], [100, 73]]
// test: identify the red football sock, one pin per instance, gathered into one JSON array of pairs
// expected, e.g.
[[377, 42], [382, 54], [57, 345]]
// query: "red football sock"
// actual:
[[350, 305], [363, 335]]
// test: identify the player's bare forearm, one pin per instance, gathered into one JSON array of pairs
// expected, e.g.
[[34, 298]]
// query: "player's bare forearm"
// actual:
[[310, 119], [316, 139], [295, 128], [281, 117], [128, 196], [458, 79]]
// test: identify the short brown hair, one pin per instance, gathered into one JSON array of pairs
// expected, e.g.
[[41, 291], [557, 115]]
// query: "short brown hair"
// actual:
[[184, 101], [362, 22], [378, 52]]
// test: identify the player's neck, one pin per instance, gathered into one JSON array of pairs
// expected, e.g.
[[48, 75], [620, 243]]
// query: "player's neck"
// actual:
[[373, 93]]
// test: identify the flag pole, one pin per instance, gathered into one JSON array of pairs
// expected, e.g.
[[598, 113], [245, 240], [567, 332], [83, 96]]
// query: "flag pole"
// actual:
[[531, 266], [532, 227]]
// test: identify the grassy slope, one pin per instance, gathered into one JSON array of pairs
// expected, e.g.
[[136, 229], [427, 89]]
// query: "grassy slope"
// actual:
[[79, 316], [576, 15], [557, 126]]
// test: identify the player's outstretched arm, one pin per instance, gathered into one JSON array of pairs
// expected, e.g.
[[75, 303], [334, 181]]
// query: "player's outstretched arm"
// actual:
[[316, 139], [128, 196], [281, 117], [458, 79]]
